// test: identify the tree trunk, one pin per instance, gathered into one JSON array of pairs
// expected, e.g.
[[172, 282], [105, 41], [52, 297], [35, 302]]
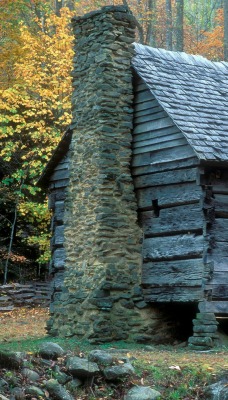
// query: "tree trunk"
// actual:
[[225, 7], [150, 31], [58, 5], [13, 226], [138, 25], [179, 25], [169, 29]]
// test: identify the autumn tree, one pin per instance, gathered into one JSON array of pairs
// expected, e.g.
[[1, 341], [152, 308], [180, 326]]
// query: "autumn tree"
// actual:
[[35, 110], [225, 8], [35, 89], [179, 28], [169, 28]]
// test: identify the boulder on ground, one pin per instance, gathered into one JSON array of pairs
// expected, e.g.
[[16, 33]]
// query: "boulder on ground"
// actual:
[[81, 367], [3, 397], [11, 359], [142, 393], [50, 351], [217, 391], [100, 357], [30, 374], [34, 391], [57, 391], [3, 385], [116, 372]]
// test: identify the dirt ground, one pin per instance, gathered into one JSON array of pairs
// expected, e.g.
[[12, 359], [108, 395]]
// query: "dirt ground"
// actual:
[[22, 323]]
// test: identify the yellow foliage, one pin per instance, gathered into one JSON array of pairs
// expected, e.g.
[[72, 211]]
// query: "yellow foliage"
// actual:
[[35, 108]]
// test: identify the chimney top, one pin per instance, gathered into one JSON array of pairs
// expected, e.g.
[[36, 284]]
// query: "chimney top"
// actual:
[[103, 10]]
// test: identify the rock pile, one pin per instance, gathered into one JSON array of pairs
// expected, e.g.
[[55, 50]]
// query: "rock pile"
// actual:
[[205, 334], [54, 374]]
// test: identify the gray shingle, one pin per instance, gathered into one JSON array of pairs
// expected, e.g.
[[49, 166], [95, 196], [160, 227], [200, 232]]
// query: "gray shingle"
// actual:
[[194, 92]]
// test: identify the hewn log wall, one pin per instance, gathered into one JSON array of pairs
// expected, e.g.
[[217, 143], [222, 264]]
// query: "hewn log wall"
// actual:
[[216, 213], [59, 182], [166, 178]]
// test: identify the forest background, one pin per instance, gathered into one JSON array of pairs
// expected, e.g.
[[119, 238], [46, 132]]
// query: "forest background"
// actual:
[[36, 47]]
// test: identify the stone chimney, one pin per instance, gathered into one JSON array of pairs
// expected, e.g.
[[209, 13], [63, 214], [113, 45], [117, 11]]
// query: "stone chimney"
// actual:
[[102, 300]]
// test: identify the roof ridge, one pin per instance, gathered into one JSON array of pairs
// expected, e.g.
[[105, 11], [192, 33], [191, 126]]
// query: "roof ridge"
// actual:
[[185, 58]]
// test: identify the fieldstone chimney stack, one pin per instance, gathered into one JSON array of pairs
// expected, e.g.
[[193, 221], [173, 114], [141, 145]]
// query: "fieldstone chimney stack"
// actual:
[[102, 300]]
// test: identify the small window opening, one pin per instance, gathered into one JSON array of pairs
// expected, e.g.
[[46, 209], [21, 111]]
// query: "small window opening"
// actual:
[[156, 208]]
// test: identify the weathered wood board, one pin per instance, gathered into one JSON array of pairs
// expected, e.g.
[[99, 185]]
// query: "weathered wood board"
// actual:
[[156, 140], [217, 307], [173, 273], [58, 258], [169, 201], [186, 218], [59, 211], [165, 166], [173, 294], [173, 247], [59, 175], [168, 178], [59, 235], [168, 196], [166, 155]]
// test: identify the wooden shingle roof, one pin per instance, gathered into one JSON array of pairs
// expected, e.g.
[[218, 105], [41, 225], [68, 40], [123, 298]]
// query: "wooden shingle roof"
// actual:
[[194, 93]]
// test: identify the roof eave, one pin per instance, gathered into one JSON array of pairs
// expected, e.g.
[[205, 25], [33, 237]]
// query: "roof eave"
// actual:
[[59, 152]]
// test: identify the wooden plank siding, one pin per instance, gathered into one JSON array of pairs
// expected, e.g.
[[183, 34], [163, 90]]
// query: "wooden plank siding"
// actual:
[[166, 178], [58, 185], [217, 206]]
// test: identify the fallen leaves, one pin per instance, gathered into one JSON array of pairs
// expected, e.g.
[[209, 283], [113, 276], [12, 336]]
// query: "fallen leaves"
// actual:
[[22, 323], [175, 367]]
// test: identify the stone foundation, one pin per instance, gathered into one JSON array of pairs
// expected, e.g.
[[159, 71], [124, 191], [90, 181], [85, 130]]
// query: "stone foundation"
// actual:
[[102, 299], [205, 334]]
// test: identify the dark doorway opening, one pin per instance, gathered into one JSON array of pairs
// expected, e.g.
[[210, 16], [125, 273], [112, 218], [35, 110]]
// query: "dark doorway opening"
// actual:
[[179, 318]]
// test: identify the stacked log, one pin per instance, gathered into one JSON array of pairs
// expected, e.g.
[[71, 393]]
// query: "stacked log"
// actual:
[[205, 334], [28, 295]]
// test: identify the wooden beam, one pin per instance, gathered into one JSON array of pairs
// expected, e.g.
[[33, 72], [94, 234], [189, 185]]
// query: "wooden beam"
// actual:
[[220, 291], [175, 294], [143, 96], [168, 144], [168, 178], [156, 140], [63, 183], [58, 258], [156, 113], [145, 105], [219, 230], [219, 250], [159, 133], [59, 174], [161, 156], [59, 211], [168, 196], [173, 273], [140, 85], [58, 235], [220, 262], [165, 166], [153, 125], [188, 217], [216, 307], [221, 205], [147, 114], [173, 247]]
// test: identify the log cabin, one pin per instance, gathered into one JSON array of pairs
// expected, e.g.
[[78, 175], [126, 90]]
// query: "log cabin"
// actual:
[[179, 168]]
